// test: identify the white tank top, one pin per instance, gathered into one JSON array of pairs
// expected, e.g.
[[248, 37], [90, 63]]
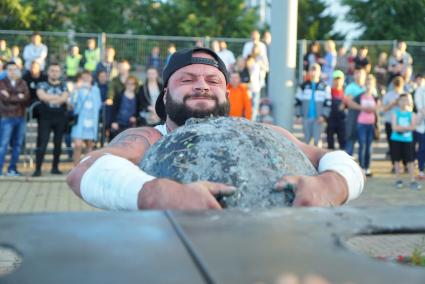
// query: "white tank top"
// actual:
[[162, 129]]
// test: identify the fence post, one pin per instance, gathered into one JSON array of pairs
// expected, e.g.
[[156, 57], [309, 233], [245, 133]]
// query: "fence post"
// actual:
[[101, 43], [302, 48]]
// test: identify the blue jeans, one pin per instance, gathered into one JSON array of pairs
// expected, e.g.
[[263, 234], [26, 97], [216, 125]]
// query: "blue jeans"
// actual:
[[12, 131], [365, 134]]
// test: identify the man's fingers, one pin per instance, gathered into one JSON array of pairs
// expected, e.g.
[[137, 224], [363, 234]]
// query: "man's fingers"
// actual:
[[219, 189], [286, 183]]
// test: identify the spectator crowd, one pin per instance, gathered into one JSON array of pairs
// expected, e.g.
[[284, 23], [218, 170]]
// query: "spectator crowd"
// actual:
[[343, 95], [74, 99]]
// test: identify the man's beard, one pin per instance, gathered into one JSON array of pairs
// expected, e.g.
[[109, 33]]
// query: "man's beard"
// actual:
[[180, 112]]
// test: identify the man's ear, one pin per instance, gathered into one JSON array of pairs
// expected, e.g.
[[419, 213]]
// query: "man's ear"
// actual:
[[164, 98], [227, 93]]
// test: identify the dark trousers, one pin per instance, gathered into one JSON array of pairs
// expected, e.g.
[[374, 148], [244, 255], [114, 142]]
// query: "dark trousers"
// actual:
[[388, 131], [337, 128], [47, 124]]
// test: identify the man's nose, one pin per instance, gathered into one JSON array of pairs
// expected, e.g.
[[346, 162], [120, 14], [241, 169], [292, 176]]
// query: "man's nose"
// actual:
[[201, 85]]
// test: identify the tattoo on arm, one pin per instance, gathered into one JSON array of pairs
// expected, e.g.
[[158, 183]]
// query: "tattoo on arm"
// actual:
[[131, 136]]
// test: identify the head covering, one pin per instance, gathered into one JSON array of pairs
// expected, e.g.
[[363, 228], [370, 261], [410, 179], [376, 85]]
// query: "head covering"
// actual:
[[182, 58], [338, 74]]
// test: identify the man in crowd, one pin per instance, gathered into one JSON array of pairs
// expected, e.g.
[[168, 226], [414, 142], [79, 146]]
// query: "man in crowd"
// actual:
[[33, 78], [313, 101], [226, 55], [361, 61], [239, 98], [53, 95], [91, 55], [5, 52], [255, 40], [108, 64], [72, 63], [14, 97], [117, 85], [195, 86], [35, 51]]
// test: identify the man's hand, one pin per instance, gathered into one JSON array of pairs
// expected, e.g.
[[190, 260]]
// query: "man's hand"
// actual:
[[327, 189], [167, 194], [321, 120]]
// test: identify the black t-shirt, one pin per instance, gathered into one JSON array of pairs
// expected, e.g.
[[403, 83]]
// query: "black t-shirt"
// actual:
[[55, 90], [32, 83], [361, 62]]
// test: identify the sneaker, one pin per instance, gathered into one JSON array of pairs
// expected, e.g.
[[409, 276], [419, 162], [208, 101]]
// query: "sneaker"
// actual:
[[368, 173], [421, 176], [37, 173], [399, 184], [56, 172], [13, 173], [415, 186]]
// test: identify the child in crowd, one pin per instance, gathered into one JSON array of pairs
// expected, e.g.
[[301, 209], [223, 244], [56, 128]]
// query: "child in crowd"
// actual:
[[366, 124], [403, 124]]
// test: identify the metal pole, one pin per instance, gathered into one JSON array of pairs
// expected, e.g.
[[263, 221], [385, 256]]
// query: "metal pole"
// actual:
[[283, 60]]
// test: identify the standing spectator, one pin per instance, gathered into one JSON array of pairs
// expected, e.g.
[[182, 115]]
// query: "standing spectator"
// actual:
[[313, 101], [215, 46], [381, 72], [366, 124], [149, 93], [86, 103], [312, 56], [106, 110], [125, 108], [395, 65], [249, 46], [336, 121], [53, 95], [390, 104], [351, 64], [14, 97], [361, 61], [419, 100], [117, 84], [406, 58], [15, 57], [409, 82], [108, 64], [329, 61], [91, 55], [267, 39], [170, 51], [5, 53], [257, 67], [342, 60], [154, 59], [35, 51], [353, 90], [241, 68], [72, 63], [33, 77], [226, 55], [239, 98], [3, 72], [199, 43], [403, 123]]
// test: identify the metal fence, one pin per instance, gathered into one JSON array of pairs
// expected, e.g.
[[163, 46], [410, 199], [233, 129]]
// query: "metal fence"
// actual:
[[136, 48]]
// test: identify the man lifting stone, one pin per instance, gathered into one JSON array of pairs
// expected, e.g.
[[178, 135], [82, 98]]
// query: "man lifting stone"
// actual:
[[195, 86]]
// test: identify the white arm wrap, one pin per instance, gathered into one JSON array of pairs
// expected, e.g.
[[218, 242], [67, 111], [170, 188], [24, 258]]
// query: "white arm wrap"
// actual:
[[113, 183], [344, 164]]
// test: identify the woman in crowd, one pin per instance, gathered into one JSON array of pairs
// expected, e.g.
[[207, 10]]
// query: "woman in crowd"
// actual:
[[149, 92], [329, 61], [86, 103], [381, 72], [125, 107]]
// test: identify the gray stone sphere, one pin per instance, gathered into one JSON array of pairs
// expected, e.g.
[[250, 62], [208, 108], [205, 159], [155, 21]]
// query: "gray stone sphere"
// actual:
[[235, 151]]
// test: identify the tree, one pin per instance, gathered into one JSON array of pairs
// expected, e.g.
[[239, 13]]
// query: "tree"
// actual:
[[313, 23], [388, 19], [19, 16]]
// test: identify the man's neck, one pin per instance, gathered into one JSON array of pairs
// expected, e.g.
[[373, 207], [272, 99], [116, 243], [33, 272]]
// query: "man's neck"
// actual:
[[54, 82], [170, 125]]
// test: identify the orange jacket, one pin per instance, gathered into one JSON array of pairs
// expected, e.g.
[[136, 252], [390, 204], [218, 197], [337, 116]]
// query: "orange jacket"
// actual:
[[240, 102]]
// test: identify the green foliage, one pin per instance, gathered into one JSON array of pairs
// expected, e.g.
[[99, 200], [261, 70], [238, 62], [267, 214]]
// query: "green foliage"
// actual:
[[19, 16], [389, 19], [313, 24]]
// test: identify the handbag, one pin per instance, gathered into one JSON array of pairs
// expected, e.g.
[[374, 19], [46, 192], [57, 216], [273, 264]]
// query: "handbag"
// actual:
[[73, 116]]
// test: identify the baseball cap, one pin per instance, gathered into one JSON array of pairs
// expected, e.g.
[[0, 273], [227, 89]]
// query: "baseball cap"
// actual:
[[182, 58], [338, 74]]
